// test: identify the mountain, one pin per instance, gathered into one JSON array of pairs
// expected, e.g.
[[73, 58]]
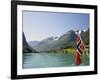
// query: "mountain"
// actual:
[[26, 47], [42, 45], [33, 43], [52, 43], [67, 40], [47, 41], [85, 36]]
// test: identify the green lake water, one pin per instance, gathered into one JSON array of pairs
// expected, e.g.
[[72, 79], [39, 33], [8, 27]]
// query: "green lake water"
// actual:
[[44, 60]]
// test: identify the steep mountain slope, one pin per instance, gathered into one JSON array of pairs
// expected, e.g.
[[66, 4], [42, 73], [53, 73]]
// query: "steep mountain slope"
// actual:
[[26, 47]]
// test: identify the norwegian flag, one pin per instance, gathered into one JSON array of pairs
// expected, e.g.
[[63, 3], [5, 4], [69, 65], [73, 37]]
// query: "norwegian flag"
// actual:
[[80, 47]]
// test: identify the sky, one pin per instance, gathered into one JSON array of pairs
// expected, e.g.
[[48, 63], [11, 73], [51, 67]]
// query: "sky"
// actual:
[[41, 25]]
